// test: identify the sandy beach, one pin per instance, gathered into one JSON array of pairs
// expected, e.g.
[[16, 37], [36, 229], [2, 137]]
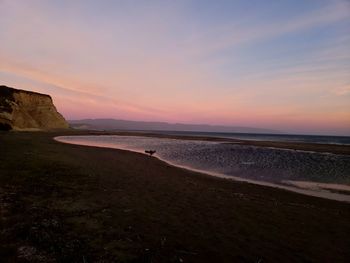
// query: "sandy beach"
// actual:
[[63, 202]]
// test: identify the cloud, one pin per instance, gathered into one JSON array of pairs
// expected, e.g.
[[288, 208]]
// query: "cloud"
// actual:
[[229, 36], [161, 60], [61, 88], [341, 91]]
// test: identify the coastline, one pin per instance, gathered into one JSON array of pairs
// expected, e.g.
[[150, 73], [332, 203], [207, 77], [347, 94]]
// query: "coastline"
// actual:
[[305, 188], [72, 203], [297, 146]]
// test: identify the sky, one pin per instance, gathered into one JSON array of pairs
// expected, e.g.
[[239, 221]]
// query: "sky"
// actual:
[[282, 65]]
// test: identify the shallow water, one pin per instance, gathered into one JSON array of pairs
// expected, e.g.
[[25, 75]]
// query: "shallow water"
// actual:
[[263, 164], [324, 139]]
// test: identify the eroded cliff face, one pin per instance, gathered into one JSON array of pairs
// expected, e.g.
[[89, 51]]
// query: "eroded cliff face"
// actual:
[[26, 110]]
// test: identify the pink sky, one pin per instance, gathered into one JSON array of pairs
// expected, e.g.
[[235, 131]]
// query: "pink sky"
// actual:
[[164, 62]]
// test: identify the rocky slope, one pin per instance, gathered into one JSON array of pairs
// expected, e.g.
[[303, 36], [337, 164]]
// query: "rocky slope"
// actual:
[[26, 110]]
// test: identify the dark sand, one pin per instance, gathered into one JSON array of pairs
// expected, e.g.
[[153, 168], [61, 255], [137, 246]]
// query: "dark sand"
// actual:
[[69, 203]]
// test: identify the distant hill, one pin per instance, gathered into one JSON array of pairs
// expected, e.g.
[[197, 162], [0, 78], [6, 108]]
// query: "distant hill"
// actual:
[[112, 125]]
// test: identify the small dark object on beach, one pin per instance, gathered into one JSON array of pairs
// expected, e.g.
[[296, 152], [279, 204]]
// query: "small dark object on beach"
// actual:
[[150, 152]]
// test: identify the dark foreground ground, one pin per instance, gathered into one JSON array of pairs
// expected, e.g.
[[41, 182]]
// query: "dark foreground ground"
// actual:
[[66, 203]]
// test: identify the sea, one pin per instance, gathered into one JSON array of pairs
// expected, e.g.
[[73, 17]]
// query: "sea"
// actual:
[[323, 139], [303, 169]]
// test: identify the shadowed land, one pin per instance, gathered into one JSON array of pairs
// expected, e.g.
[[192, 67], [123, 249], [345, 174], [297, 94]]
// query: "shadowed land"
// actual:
[[61, 202]]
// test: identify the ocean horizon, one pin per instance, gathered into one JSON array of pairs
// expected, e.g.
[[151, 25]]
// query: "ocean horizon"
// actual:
[[304, 138]]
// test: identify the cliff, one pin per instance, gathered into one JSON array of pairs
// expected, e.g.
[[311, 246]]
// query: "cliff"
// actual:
[[26, 110]]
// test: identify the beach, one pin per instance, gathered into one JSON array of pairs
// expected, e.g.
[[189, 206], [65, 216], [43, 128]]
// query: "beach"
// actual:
[[62, 202], [314, 173]]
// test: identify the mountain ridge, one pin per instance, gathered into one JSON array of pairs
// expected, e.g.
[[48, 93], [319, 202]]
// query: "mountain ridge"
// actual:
[[119, 124]]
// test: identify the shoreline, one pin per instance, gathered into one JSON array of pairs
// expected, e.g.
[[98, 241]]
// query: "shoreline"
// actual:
[[342, 149], [69, 203], [323, 191]]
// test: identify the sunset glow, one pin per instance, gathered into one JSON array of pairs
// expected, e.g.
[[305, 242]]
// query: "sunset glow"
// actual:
[[281, 65]]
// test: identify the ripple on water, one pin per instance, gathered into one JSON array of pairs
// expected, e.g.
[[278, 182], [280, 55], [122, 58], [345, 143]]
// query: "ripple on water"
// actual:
[[250, 162]]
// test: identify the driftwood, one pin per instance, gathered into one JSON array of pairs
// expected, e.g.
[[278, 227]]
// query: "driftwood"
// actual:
[[150, 152]]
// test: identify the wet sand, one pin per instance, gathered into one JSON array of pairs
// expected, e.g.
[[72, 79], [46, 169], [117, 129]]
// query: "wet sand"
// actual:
[[67, 203], [321, 186]]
